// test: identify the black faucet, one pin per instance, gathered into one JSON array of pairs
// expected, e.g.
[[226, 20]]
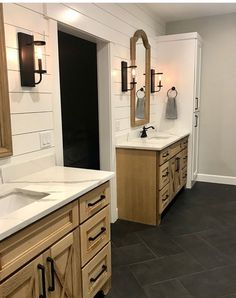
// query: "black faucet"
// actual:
[[144, 131]]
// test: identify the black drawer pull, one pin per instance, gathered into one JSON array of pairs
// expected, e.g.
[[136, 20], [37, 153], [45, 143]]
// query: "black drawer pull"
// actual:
[[102, 197], [42, 269], [185, 157], [52, 287], [165, 154], [103, 229], [93, 279], [167, 196], [166, 174]]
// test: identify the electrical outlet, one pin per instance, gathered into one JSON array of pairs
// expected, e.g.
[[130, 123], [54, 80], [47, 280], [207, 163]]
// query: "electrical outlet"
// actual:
[[45, 139]]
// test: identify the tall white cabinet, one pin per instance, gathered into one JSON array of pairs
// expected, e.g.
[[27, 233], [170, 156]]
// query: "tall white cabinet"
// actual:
[[179, 58]]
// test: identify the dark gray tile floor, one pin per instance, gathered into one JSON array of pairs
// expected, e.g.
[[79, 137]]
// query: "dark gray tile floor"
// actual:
[[191, 255]]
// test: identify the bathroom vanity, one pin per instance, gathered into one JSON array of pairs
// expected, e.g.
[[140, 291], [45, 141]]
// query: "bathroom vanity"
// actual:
[[59, 245], [150, 172]]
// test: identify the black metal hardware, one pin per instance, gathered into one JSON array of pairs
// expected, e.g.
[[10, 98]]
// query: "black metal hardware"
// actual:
[[185, 157], [166, 154], [196, 121], [177, 159], [103, 229], [153, 73], [102, 197], [167, 196], [172, 89], [42, 269], [51, 288], [26, 57], [144, 131], [166, 174], [196, 107], [93, 279], [124, 77]]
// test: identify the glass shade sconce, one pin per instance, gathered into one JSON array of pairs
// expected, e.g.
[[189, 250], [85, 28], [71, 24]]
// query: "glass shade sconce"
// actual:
[[27, 49], [153, 74], [124, 76]]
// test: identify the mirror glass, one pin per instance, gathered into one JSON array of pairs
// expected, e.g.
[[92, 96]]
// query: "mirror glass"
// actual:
[[5, 123], [140, 94]]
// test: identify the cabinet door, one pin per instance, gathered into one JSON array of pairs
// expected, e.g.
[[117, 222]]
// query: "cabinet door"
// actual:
[[197, 77], [26, 283], [195, 147], [172, 177], [63, 267], [178, 172]]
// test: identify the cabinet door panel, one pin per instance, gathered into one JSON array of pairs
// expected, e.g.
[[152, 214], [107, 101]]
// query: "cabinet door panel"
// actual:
[[26, 283], [195, 147], [65, 257]]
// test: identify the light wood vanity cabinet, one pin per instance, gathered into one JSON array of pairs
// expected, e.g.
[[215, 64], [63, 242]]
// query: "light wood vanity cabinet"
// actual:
[[147, 181], [66, 254]]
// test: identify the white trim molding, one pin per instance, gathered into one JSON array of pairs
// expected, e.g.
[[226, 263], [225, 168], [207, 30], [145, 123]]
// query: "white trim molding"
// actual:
[[216, 179]]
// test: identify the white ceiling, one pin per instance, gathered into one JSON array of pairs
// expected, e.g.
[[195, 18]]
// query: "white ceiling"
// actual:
[[170, 12]]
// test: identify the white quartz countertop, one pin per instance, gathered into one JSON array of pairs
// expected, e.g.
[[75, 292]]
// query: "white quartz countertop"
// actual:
[[61, 184], [157, 141]]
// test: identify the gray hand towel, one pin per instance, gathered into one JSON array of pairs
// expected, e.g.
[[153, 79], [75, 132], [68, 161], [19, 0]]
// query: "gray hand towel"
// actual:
[[171, 108], [140, 108]]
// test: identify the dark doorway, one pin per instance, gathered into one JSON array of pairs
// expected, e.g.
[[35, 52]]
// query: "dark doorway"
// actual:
[[79, 101]]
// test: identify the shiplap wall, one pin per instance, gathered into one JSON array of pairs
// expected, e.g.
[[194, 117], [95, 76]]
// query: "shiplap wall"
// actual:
[[31, 108], [114, 23]]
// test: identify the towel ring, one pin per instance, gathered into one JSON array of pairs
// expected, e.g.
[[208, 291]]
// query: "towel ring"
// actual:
[[170, 90], [141, 90]]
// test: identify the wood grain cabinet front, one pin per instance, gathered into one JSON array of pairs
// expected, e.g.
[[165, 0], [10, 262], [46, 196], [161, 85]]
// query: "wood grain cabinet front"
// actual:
[[148, 180], [46, 259]]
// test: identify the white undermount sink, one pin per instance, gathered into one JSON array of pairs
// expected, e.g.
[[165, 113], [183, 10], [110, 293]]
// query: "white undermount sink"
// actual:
[[17, 199]]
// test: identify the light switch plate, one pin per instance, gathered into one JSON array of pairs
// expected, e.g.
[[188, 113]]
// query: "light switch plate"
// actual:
[[45, 139]]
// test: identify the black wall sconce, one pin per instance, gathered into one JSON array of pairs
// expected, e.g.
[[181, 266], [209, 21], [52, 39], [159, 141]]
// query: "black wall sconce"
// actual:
[[124, 76], [153, 73], [27, 47]]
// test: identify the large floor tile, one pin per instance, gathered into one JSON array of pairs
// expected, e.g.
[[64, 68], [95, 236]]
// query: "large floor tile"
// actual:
[[160, 243], [124, 232], [204, 253], [124, 285], [165, 268], [168, 289], [211, 284], [131, 254]]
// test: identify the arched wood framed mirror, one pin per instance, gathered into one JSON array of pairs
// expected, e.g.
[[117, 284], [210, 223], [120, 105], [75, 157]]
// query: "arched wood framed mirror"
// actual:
[[140, 55], [5, 122]]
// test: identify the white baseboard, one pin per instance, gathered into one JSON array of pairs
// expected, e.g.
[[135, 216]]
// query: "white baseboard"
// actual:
[[216, 179]]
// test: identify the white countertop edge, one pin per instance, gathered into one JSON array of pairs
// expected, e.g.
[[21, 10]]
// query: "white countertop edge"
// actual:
[[15, 227], [149, 146]]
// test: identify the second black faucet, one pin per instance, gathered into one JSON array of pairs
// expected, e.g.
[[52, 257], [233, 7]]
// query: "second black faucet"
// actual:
[[144, 131]]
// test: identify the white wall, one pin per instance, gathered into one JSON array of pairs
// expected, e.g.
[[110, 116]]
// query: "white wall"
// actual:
[[218, 99], [37, 109], [31, 108]]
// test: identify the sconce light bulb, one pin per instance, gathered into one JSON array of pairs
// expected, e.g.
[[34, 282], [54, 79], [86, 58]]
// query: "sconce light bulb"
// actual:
[[159, 78], [39, 53], [133, 73]]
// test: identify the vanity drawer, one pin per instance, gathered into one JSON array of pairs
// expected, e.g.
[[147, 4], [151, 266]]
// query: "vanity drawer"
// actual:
[[184, 176], [184, 158], [95, 200], [184, 143], [24, 245], [164, 156], [164, 198], [164, 175], [94, 235], [175, 148], [97, 272]]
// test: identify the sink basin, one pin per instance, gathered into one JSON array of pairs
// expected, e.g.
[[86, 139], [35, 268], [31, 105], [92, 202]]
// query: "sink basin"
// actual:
[[17, 199]]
